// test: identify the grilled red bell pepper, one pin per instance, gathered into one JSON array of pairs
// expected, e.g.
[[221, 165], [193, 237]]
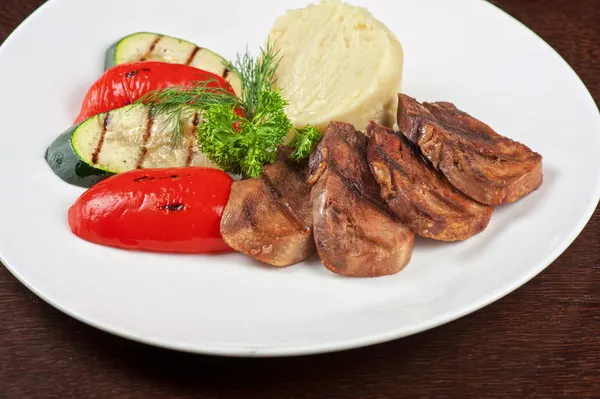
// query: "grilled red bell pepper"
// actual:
[[124, 84], [165, 210]]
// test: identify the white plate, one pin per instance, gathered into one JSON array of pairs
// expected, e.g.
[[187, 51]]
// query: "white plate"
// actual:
[[467, 52]]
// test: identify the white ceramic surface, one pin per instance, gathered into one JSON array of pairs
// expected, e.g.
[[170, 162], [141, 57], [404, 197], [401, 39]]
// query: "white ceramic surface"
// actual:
[[463, 51]]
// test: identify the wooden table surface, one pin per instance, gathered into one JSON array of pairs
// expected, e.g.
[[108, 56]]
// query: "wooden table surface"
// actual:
[[542, 341]]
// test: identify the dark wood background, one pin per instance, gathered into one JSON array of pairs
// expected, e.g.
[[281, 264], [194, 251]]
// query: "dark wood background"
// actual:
[[543, 341]]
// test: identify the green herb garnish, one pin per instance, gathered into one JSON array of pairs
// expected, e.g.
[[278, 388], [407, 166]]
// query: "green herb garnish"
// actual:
[[238, 144], [254, 144], [257, 76], [304, 142]]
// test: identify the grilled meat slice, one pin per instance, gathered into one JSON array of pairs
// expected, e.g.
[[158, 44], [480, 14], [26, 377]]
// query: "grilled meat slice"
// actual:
[[355, 232], [270, 218], [418, 194], [484, 165]]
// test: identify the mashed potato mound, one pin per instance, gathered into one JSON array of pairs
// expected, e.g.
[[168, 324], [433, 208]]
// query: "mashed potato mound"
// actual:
[[337, 63]]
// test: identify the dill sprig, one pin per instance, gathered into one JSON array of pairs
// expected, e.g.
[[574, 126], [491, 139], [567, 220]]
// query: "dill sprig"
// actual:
[[257, 75]]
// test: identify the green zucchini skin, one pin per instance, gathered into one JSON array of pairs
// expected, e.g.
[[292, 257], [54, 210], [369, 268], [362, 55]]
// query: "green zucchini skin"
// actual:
[[111, 54], [67, 165]]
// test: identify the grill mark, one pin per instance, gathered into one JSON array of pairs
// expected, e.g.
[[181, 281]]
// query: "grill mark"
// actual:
[[417, 128], [226, 73], [151, 48], [360, 175], [416, 207], [471, 139], [369, 191], [444, 123], [416, 151], [282, 205], [452, 205], [366, 188], [387, 159], [151, 178], [531, 159], [173, 207], [470, 142], [133, 73], [96, 153], [335, 212], [451, 118], [319, 242], [358, 147], [248, 212], [376, 204], [192, 55], [485, 156], [146, 138], [412, 146], [399, 168], [501, 182], [191, 150], [455, 206], [395, 166]]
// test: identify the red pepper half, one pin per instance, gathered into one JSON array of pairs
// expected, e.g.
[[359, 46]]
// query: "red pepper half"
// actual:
[[165, 210], [124, 84]]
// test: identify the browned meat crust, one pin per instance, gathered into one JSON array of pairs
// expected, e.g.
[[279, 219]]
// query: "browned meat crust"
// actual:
[[270, 218], [420, 196], [484, 165], [355, 232]]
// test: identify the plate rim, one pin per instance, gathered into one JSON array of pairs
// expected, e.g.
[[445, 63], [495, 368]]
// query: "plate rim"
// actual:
[[365, 341]]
